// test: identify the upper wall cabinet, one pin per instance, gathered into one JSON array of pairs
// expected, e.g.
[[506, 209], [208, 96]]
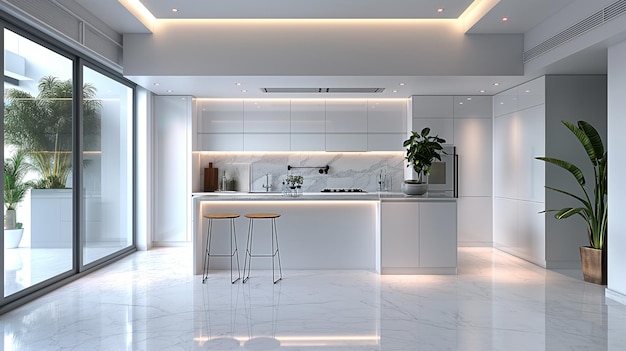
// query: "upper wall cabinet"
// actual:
[[219, 125], [308, 116], [301, 125], [308, 125], [473, 107], [386, 116], [433, 106], [346, 116], [266, 116], [217, 116]]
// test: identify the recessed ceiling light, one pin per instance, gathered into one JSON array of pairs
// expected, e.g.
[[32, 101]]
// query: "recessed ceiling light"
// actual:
[[482, 90], [170, 90], [460, 102], [394, 91], [238, 84], [174, 10], [156, 84], [469, 99], [401, 84], [496, 84], [244, 91], [440, 10], [527, 91], [505, 19]]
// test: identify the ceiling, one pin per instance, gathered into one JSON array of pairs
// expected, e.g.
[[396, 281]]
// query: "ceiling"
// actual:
[[522, 16]]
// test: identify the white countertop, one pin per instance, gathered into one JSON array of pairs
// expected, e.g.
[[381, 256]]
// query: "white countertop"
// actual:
[[317, 196]]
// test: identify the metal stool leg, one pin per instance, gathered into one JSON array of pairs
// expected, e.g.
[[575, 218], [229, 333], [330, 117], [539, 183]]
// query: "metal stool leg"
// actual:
[[233, 236], [275, 253], [207, 253], [248, 257]]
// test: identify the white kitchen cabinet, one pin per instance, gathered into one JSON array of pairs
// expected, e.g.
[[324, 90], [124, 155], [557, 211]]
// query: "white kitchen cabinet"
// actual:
[[473, 107], [220, 116], [266, 142], [437, 235], [473, 140], [346, 142], [308, 142], [346, 116], [220, 141], [386, 116], [432, 106], [172, 167], [266, 116], [442, 127], [418, 237], [400, 236], [385, 141], [308, 116]]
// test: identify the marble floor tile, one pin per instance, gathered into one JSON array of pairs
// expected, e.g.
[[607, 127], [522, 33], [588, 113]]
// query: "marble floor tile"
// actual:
[[151, 301]]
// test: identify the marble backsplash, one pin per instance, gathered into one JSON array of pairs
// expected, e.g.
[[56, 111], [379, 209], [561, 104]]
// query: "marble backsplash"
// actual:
[[346, 170]]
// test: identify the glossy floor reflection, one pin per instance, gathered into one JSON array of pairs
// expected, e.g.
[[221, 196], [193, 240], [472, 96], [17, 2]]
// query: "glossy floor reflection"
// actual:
[[150, 301]]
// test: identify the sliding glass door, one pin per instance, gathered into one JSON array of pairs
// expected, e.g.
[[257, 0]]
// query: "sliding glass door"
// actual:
[[107, 167], [38, 122], [68, 165]]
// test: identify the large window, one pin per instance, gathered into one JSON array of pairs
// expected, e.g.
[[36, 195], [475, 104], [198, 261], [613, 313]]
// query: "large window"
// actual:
[[68, 190]]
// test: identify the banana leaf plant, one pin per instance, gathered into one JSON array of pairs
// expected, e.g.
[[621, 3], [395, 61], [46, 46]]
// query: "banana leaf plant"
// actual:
[[594, 209], [422, 150]]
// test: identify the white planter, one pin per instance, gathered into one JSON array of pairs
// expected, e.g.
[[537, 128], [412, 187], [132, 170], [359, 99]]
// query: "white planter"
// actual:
[[12, 238], [413, 187], [51, 218]]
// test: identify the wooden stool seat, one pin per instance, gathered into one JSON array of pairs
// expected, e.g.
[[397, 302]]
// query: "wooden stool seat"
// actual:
[[221, 215], [262, 215], [274, 254], [233, 248]]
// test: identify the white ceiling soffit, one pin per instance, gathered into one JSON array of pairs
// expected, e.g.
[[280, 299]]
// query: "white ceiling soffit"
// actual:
[[299, 9]]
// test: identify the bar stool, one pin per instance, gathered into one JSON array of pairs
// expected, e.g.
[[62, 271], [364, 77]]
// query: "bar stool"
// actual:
[[233, 237], [274, 253]]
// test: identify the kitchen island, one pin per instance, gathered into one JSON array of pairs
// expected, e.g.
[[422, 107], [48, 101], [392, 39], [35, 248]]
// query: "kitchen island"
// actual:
[[388, 233]]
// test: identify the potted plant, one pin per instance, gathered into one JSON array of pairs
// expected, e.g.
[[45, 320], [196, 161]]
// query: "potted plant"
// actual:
[[42, 125], [594, 208], [15, 188], [422, 150]]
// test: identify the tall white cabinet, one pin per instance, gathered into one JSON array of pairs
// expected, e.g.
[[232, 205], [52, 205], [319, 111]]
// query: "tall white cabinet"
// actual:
[[172, 167], [465, 122], [527, 124]]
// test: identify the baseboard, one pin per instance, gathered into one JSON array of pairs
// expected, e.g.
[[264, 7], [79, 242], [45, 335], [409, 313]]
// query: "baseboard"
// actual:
[[508, 250], [419, 271], [475, 244], [615, 296], [171, 243]]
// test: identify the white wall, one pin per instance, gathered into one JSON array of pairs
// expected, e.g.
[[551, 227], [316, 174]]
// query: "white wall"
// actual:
[[617, 173]]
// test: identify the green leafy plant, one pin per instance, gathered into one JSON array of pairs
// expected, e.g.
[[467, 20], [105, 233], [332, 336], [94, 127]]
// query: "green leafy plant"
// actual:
[[294, 180], [15, 186], [422, 150], [42, 125], [594, 209]]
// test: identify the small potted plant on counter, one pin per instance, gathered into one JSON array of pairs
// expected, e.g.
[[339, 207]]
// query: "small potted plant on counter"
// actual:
[[294, 182], [422, 150]]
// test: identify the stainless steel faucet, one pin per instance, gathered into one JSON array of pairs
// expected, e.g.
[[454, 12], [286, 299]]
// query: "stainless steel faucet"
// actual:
[[267, 186]]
